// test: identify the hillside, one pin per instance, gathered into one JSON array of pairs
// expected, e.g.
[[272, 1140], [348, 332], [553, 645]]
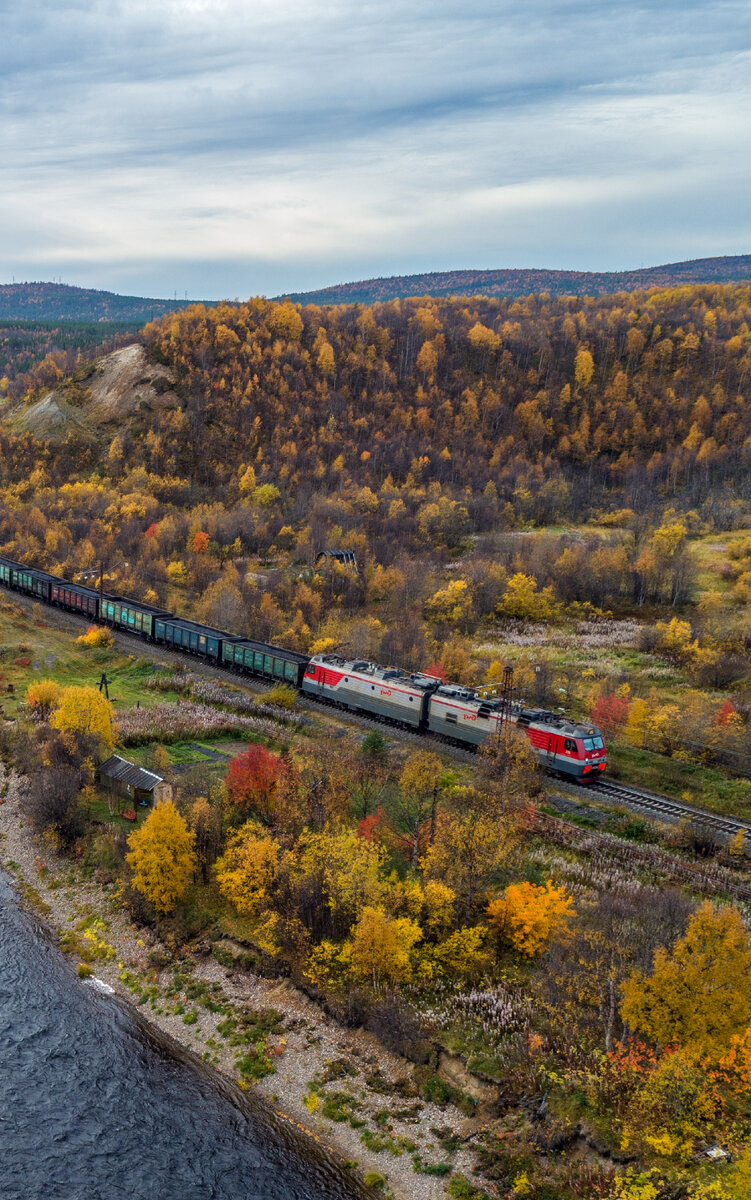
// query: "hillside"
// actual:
[[411, 428], [124, 386], [524, 282], [60, 302]]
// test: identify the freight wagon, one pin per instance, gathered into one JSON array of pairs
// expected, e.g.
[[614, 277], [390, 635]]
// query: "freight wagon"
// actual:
[[270, 662], [418, 701]]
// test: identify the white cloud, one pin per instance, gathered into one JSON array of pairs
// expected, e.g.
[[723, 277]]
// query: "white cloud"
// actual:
[[232, 147]]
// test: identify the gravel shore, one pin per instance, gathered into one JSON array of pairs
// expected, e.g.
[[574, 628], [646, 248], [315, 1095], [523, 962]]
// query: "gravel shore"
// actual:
[[374, 1086]]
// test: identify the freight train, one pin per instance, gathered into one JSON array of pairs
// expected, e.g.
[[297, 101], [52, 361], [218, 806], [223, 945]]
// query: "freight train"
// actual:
[[417, 701]]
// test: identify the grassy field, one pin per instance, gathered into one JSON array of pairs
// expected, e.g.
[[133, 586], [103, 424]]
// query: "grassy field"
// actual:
[[31, 650], [704, 787]]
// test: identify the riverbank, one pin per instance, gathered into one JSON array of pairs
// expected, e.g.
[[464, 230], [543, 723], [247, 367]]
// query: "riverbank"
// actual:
[[337, 1085]]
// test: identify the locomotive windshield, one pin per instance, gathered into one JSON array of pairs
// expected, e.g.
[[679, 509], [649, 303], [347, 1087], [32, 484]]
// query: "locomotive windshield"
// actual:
[[595, 743]]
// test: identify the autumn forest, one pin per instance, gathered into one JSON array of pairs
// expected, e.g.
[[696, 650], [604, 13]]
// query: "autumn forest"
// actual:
[[553, 484]]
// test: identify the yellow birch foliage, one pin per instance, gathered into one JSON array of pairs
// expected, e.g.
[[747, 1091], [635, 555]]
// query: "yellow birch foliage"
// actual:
[[382, 947], [162, 857], [673, 1109], [42, 697], [468, 848], [85, 711], [584, 367], [247, 869], [529, 915], [348, 868], [462, 955], [522, 600], [96, 636], [450, 605], [698, 995]]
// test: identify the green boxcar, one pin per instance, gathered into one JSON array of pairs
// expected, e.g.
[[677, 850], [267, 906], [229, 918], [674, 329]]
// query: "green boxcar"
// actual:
[[131, 614], [186, 635], [270, 662]]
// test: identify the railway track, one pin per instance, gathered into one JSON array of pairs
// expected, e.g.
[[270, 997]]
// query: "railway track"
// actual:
[[651, 804], [663, 808], [132, 643]]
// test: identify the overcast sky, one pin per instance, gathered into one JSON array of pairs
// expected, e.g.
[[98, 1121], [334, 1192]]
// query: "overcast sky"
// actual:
[[235, 147]]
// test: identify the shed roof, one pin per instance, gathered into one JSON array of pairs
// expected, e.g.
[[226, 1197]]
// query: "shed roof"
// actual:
[[127, 772]]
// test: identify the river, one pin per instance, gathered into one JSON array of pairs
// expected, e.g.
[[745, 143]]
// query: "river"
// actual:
[[97, 1106]]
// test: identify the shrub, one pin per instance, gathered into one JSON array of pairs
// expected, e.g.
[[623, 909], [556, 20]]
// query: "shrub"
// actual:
[[97, 636], [374, 1179]]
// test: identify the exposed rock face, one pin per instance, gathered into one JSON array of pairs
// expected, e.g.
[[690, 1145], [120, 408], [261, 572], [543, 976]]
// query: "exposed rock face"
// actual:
[[119, 386], [453, 1070]]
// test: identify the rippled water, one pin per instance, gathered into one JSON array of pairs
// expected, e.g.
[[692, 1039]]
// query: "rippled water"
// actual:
[[94, 1105]]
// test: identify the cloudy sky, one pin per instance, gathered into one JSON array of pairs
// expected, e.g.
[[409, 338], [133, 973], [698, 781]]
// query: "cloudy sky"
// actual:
[[233, 147]]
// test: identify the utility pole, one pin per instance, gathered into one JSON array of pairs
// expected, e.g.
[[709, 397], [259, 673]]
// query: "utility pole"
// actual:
[[101, 590]]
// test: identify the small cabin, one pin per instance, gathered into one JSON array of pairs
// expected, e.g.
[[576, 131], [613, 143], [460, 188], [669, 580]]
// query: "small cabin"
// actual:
[[131, 782]]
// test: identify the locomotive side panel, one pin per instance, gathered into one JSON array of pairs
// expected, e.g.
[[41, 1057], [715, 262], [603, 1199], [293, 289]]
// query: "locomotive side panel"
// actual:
[[463, 722], [394, 699]]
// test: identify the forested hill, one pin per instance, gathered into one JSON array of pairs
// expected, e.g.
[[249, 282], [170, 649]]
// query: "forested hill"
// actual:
[[735, 269], [60, 302], [412, 428], [560, 405]]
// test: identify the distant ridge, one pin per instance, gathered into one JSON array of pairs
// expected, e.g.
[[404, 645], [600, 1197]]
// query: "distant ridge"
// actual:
[[736, 269], [61, 302]]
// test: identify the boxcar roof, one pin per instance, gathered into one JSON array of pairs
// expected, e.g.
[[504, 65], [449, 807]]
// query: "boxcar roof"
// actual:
[[160, 612], [204, 630], [277, 651], [77, 587]]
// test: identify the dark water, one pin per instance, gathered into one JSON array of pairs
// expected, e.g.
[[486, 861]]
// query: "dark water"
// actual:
[[93, 1105]]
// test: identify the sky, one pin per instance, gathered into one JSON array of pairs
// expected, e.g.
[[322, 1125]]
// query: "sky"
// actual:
[[227, 148]]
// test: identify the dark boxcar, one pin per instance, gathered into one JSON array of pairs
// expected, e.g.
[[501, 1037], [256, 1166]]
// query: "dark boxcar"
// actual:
[[8, 569], [41, 585], [132, 615], [271, 662], [190, 637], [76, 597]]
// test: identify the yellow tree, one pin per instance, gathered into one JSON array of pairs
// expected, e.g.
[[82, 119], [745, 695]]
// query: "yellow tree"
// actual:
[[84, 712], [529, 916], [42, 697], [162, 857], [247, 869], [382, 947], [470, 845], [584, 368], [419, 785], [522, 600], [451, 605], [326, 362], [698, 995]]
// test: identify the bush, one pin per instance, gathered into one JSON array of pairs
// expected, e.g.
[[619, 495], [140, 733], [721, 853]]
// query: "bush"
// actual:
[[97, 635], [374, 1180], [283, 695], [395, 1025], [52, 802]]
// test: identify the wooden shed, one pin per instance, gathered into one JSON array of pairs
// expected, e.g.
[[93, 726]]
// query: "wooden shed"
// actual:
[[131, 782]]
